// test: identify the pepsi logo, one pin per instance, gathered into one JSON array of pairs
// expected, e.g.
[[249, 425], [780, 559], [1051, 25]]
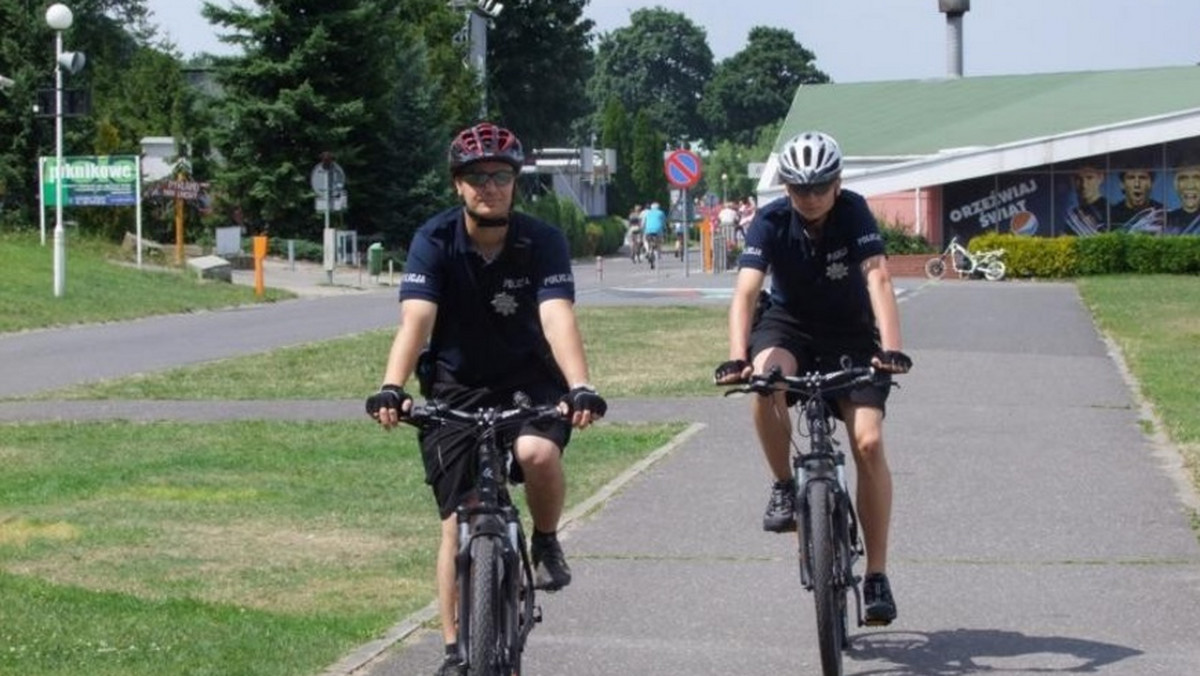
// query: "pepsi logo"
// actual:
[[1023, 223]]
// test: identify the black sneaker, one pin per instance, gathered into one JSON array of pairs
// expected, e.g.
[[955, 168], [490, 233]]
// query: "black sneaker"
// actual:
[[550, 569], [452, 666], [781, 509], [877, 596]]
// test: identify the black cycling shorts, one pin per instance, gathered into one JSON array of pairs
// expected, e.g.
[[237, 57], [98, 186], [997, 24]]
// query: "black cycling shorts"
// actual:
[[820, 350], [447, 451]]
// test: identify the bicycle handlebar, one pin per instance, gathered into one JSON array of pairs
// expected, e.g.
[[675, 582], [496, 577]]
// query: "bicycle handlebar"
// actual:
[[810, 383], [435, 412]]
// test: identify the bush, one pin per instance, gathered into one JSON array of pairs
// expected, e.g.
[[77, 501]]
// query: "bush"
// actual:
[[1102, 254], [566, 215], [900, 241], [1108, 253], [1148, 254], [303, 249]]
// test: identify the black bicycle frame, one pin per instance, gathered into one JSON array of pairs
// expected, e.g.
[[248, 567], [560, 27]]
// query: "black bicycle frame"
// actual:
[[823, 463], [493, 515]]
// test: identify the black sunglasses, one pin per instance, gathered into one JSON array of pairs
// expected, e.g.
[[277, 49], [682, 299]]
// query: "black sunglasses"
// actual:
[[478, 179], [817, 189]]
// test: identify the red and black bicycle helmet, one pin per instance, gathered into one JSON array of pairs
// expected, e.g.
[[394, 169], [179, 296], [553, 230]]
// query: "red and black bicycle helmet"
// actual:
[[485, 142]]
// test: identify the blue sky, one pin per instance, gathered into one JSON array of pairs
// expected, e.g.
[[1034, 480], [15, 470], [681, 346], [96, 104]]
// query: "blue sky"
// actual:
[[895, 39]]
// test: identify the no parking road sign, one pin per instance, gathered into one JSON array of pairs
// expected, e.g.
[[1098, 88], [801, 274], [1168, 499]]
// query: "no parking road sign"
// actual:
[[682, 168]]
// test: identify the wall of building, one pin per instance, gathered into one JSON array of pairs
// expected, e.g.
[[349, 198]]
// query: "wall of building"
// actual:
[[1154, 190], [918, 212]]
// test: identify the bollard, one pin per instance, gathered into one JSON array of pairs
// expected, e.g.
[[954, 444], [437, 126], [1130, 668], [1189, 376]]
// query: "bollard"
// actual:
[[260, 253], [600, 268]]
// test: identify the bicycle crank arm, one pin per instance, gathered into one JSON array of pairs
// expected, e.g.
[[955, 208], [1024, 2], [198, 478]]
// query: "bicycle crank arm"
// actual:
[[858, 602]]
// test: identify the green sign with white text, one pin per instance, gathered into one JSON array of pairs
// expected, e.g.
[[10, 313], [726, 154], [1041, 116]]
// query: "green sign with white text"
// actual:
[[104, 181]]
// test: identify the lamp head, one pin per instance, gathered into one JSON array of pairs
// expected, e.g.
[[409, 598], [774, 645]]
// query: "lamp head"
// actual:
[[72, 62], [59, 17], [5, 83]]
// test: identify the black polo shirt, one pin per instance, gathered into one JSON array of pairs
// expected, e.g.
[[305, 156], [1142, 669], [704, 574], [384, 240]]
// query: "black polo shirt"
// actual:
[[488, 331], [819, 282]]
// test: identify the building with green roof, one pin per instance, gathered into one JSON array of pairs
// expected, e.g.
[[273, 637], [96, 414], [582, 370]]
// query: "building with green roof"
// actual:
[[965, 155]]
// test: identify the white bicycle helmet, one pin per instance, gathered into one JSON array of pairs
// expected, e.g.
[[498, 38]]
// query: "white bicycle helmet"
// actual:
[[810, 158]]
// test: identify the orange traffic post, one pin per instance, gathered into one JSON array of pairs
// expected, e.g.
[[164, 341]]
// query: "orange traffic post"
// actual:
[[260, 253], [706, 244]]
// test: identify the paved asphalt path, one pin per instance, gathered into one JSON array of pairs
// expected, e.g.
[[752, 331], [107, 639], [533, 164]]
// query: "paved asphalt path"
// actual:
[[1037, 529]]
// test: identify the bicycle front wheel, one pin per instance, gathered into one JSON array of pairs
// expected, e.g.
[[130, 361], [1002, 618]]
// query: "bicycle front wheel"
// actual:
[[830, 597], [486, 605], [935, 268]]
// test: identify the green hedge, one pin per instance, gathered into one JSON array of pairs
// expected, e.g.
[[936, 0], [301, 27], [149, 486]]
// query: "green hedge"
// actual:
[[587, 239], [1108, 253]]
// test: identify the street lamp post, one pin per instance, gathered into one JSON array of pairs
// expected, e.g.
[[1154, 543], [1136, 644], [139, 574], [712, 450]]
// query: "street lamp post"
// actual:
[[724, 178], [59, 18], [479, 13]]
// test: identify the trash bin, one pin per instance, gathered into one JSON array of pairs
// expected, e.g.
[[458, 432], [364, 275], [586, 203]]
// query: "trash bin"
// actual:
[[375, 259]]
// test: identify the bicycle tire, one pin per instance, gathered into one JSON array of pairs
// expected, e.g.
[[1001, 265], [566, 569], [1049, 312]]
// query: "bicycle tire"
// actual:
[[831, 625], [483, 639], [935, 268], [995, 271]]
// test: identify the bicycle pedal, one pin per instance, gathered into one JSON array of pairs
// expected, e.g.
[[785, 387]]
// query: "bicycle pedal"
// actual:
[[537, 614]]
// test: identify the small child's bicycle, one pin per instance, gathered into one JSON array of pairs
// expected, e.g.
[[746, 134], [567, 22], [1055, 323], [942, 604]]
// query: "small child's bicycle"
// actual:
[[986, 264]]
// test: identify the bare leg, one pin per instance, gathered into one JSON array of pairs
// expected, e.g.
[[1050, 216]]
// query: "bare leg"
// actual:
[[864, 425], [446, 582], [545, 484], [771, 420]]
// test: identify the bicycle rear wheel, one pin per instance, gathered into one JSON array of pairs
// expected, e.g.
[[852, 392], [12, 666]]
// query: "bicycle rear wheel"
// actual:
[[486, 606], [935, 268], [829, 596]]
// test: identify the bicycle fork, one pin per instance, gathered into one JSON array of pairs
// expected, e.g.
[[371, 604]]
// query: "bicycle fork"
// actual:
[[515, 577], [845, 525]]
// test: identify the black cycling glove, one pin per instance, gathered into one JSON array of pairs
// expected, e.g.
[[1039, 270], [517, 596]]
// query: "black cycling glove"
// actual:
[[584, 398], [895, 361], [733, 367], [388, 396]]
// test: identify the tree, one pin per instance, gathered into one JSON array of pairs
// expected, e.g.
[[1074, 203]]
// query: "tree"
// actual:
[[313, 77], [647, 165], [756, 86], [617, 133], [437, 24], [731, 161], [414, 173], [538, 65], [658, 65]]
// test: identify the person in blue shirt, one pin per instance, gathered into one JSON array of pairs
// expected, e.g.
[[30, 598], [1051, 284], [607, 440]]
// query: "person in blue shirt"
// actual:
[[487, 309], [831, 296], [654, 226]]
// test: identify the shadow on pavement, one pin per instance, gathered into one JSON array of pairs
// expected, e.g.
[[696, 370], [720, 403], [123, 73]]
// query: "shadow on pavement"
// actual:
[[957, 652]]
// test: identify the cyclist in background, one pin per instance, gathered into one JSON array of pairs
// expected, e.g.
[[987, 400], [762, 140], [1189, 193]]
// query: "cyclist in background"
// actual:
[[635, 234], [487, 309], [654, 226], [831, 295]]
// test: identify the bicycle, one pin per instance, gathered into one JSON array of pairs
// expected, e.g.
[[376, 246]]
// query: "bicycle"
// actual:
[[635, 245], [653, 249], [984, 263], [495, 577], [828, 539]]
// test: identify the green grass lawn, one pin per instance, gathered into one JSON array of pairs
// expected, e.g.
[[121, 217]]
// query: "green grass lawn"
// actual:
[[1156, 322], [100, 284], [230, 548]]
